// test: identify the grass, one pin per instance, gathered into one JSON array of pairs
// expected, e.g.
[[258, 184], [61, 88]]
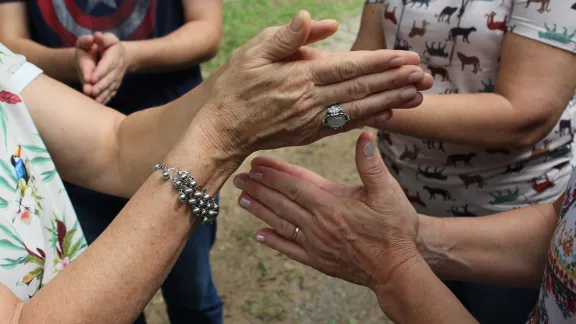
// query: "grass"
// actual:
[[244, 19]]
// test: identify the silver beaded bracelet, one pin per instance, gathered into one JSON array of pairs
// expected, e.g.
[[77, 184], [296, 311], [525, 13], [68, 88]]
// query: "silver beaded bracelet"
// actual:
[[203, 205]]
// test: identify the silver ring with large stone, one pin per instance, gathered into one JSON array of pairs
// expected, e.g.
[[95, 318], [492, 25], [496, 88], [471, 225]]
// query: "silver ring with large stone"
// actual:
[[335, 118]]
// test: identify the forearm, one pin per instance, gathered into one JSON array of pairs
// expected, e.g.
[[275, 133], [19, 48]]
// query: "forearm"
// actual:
[[191, 44], [485, 120], [145, 137], [509, 248], [415, 295], [58, 63], [127, 264]]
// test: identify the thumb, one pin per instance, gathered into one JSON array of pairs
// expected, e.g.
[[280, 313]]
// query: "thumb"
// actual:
[[288, 39], [372, 170]]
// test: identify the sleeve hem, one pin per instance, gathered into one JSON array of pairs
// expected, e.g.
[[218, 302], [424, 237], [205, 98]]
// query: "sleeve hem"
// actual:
[[25, 75]]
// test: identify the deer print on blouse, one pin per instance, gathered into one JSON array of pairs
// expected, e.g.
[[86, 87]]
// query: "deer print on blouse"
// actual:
[[410, 155], [418, 31], [496, 25], [504, 196], [461, 211], [414, 199], [390, 15], [459, 31], [438, 50], [446, 13], [537, 151], [450, 91], [543, 7], [469, 60], [402, 45], [434, 145], [439, 71], [421, 2], [445, 194], [464, 158], [430, 173], [542, 185], [514, 168], [488, 86], [472, 179], [564, 127]]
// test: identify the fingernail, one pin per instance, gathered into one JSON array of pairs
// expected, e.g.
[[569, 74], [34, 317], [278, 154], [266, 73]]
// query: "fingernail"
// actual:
[[296, 23], [255, 175], [408, 94], [260, 238], [239, 183], [415, 77], [245, 202], [396, 62], [369, 149]]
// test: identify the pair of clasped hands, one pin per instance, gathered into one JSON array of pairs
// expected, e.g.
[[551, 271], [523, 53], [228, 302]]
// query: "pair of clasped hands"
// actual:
[[277, 92], [101, 63]]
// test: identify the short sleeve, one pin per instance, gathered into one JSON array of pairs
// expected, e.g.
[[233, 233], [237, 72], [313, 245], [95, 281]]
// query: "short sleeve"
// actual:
[[21, 73], [548, 21]]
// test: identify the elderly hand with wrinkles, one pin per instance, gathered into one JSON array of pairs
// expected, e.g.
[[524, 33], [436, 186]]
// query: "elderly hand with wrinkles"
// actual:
[[295, 84]]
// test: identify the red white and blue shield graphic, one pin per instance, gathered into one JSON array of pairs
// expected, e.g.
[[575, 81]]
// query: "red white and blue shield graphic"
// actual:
[[127, 19]]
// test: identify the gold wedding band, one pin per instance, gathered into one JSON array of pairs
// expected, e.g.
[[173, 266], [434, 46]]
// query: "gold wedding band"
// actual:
[[295, 233]]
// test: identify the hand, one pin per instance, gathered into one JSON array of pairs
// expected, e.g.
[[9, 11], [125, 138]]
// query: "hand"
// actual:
[[108, 74], [363, 234], [274, 93], [86, 61]]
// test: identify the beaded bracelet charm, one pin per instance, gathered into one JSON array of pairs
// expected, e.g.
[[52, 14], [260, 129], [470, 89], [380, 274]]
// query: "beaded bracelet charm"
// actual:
[[203, 205]]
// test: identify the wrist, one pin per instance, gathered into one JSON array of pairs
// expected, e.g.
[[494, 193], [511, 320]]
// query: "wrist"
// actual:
[[130, 56]]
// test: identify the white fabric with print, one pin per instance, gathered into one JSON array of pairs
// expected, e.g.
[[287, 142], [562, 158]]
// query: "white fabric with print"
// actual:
[[39, 231]]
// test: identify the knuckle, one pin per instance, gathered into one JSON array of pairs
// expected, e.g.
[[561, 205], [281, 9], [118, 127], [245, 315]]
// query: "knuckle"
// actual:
[[294, 192], [281, 41], [347, 70], [358, 90]]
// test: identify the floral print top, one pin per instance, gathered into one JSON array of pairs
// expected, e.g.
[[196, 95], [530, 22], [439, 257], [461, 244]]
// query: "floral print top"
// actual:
[[39, 231], [557, 302]]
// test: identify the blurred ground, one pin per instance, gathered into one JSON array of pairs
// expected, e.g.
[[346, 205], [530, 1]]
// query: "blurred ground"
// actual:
[[261, 286]]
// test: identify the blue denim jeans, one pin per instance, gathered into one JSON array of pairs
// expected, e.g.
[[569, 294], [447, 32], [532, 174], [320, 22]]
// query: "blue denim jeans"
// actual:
[[189, 291], [492, 304]]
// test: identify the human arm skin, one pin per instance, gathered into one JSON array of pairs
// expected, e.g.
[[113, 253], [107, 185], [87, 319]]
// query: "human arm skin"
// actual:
[[196, 41], [145, 238], [512, 116], [59, 63], [508, 248]]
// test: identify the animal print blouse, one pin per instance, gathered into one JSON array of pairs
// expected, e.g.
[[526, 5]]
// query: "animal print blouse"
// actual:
[[460, 42]]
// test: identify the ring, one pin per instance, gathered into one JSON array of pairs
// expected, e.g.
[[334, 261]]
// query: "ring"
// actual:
[[296, 231], [335, 118]]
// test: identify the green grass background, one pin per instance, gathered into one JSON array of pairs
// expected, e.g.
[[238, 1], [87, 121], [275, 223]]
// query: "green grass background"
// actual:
[[244, 19]]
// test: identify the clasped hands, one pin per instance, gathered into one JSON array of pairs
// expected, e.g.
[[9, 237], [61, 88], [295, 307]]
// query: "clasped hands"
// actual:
[[101, 63]]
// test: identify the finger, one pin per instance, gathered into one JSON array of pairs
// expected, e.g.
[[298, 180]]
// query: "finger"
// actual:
[[295, 170], [106, 82], [371, 168], [85, 42], [106, 65], [87, 89], [281, 226], [287, 40], [378, 103], [341, 67], [277, 242], [103, 96], [425, 84], [105, 40], [299, 191], [320, 30], [367, 85], [290, 213]]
